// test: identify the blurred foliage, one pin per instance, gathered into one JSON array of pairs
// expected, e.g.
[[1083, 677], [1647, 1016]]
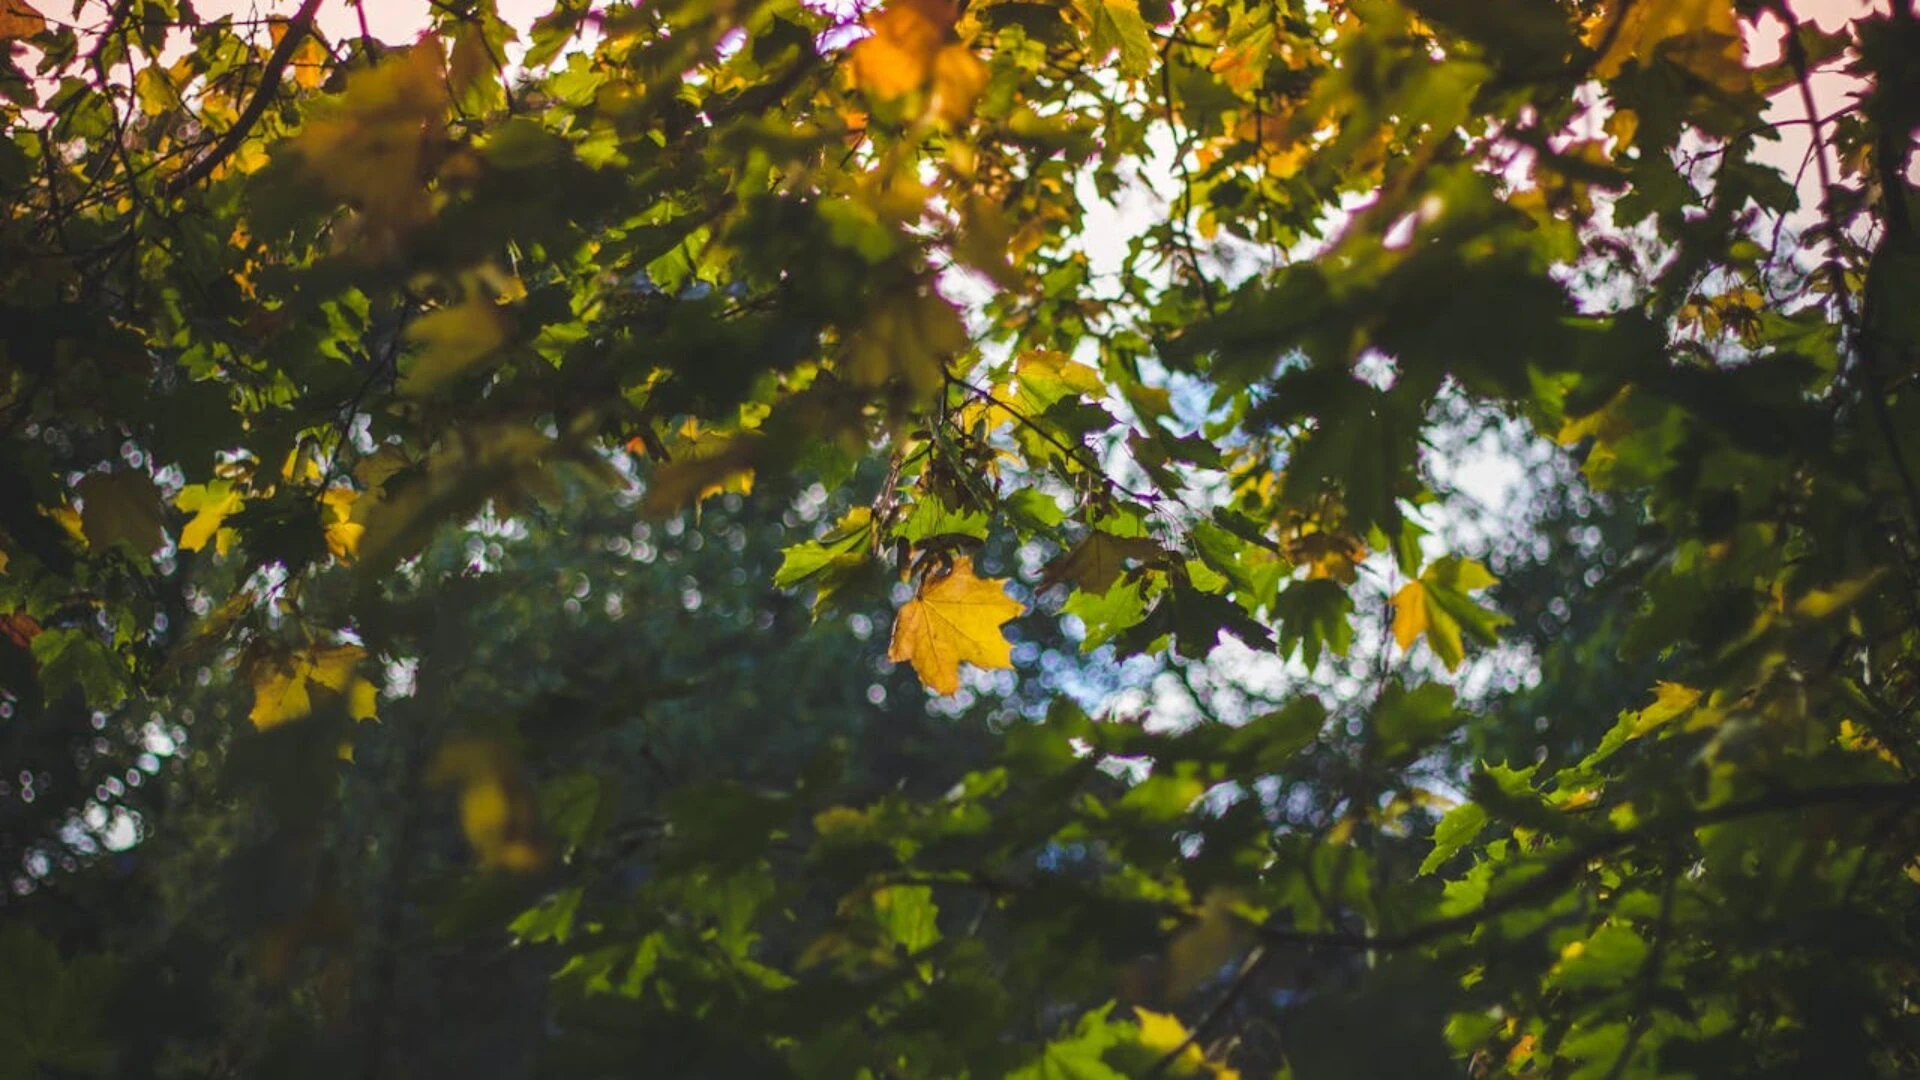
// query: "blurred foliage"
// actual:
[[479, 520]]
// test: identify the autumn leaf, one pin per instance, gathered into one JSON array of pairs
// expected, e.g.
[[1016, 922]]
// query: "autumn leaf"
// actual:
[[373, 148], [310, 61], [958, 80], [705, 464], [19, 19], [1670, 699], [955, 618], [899, 55], [283, 686], [342, 532], [210, 504], [1438, 606]]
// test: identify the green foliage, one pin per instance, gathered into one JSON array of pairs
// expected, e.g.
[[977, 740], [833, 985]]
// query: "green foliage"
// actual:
[[516, 406]]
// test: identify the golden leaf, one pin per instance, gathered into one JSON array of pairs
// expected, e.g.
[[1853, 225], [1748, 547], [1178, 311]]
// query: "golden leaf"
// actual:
[[955, 618], [1670, 699], [1162, 1034], [1437, 604], [372, 150], [342, 533], [958, 80], [308, 65], [1409, 614], [210, 504], [282, 687]]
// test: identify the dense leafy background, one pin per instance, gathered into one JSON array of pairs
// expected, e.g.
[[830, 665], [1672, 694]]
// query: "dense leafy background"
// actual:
[[680, 539]]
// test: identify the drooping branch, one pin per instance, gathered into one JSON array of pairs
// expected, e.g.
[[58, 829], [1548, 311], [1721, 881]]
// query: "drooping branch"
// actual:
[[298, 27]]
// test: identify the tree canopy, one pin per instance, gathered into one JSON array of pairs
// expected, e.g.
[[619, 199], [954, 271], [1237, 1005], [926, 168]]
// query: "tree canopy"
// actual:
[[940, 538]]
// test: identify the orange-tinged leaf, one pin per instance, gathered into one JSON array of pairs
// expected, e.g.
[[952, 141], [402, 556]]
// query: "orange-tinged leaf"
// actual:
[[954, 619], [19, 19], [1409, 614], [899, 56], [958, 80], [1438, 606]]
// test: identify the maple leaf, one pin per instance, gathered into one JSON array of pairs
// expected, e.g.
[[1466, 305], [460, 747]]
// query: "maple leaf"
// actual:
[[958, 80], [210, 504], [1437, 605], [955, 617], [282, 688], [907, 337], [342, 533], [1097, 561]]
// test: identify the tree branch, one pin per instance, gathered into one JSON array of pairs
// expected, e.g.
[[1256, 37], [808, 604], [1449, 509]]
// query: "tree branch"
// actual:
[[298, 27]]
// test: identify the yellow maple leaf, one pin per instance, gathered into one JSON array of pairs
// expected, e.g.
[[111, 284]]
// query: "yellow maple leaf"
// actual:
[[210, 504], [1436, 604], [1701, 36], [954, 618], [342, 533], [1409, 614], [372, 149], [282, 687], [1670, 699], [1163, 1034]]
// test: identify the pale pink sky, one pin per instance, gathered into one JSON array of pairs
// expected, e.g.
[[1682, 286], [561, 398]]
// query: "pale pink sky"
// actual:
[[399, 21]]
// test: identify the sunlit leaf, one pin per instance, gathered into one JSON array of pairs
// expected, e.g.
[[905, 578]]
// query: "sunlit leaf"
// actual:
[[955, 618], [211, 504]]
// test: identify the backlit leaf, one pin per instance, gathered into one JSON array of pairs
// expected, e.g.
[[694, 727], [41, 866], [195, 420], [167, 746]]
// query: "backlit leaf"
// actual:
[[210, 504], [955, 618], [283, 686]]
